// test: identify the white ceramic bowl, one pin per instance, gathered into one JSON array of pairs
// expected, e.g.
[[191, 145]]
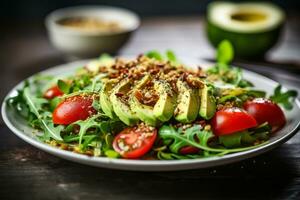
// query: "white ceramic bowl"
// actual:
[[84, 44]]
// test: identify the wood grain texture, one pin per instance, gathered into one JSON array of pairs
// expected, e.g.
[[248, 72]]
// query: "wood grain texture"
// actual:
[[28, 173]]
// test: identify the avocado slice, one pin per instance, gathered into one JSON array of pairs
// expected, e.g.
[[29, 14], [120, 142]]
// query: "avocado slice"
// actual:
[[208, 103], [188, 103], [105, 101], [144, 112], [120, 103], [165, 106], [251, 27]]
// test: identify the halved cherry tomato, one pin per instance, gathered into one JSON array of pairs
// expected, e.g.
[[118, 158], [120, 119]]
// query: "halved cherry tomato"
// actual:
[[134, 142], [264, 110], [53, 92], [73, 109], [188, 150], [231, 120]]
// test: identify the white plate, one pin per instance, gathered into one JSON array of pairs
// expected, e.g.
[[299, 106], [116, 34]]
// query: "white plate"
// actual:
[[22, 130]]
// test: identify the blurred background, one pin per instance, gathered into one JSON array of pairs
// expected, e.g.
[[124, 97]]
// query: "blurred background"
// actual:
[[35, 9], [169, 24]]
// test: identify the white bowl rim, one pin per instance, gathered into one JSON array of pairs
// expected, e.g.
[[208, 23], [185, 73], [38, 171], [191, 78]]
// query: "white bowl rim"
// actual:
[[52, 17]]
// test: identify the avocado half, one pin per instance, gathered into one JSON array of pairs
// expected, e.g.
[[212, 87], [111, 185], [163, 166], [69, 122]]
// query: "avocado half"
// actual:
[[252, 27]]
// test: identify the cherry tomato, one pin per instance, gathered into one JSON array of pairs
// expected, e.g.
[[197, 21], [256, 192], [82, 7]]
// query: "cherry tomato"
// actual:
[[53, 92], [73, 109], [134, 142], [188, 150], [231, 120], [264, 110]]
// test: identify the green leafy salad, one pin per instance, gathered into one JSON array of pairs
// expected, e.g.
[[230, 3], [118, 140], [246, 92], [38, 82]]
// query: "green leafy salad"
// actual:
[[152, 107]]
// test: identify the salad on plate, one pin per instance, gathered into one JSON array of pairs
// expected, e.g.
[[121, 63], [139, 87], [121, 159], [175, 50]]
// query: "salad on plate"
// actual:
[[152, 107]]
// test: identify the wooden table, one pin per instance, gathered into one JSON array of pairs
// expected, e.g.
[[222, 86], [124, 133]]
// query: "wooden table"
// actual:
[[28, 173]]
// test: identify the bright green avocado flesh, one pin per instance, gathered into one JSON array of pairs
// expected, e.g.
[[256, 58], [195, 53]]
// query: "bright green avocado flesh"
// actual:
[[121, 108], [162, 110], [143, 112], [208, 104], [105, 102], [188, 103], [123, 101], [165, 106]]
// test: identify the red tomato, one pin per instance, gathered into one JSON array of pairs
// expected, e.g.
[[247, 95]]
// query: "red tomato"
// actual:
[[73, 109], [53, 92], [188, 150], [134, 142], [264, 110], [231, 120]]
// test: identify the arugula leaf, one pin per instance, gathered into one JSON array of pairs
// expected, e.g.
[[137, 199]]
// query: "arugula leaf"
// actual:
[[100, 123], [194, 136], [63, 86], [97, 83], [239, 95], [225, 52], [249, 137], [284, 98], [96, 105], [31, 108], [35, 105]]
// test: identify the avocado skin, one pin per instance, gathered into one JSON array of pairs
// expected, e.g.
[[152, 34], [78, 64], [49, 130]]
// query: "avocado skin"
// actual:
[[246, 45]]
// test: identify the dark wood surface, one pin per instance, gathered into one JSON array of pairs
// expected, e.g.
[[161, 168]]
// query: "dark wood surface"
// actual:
[[28, 173]]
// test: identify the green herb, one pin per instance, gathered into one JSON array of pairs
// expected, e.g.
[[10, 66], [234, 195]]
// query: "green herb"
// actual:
[[285, 99], [154, 54], [246, 138], [227, 73], [194, 136], [63, 86], [31, 108], [169, 56], [99, 124], [225, 52]]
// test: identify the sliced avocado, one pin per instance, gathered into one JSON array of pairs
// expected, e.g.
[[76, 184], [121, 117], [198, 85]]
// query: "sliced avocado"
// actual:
[[105, 101], [252, 27], [143, 112], [120, 104], [207, 104], [165, 106], [188, 103]]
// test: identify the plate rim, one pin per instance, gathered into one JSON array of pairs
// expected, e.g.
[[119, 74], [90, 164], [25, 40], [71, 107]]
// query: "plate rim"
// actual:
[[142, 165]]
